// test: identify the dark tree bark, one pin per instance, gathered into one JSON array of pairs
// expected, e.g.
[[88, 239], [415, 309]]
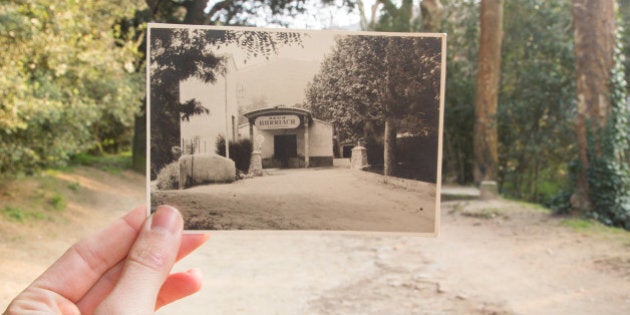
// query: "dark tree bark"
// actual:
[[195, 12], [594, 30], [139, 144], [487, 86]]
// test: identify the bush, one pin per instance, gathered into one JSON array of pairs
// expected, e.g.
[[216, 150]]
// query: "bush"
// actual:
[[168, 178], [240, 152]]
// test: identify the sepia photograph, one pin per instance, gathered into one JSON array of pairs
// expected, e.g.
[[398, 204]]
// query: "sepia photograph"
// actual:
[[278, 129]]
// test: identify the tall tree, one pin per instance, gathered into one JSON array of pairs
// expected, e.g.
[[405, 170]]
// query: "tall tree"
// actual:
[[603, 181], [594, 31], [487, 89]]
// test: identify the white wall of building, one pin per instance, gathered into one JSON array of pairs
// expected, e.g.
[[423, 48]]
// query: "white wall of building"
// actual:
[[203, 130], [321, 142]]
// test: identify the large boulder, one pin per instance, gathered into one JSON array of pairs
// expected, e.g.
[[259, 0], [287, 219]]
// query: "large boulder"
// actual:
[[198, 169]]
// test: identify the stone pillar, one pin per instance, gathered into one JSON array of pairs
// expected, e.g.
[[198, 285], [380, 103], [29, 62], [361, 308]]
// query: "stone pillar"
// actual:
[[358, 160], [255, 164]]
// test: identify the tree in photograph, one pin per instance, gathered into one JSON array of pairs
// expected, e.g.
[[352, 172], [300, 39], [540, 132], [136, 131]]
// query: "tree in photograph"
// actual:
[[386, 83], [346, 90], [487, 89], [602, 184], [180, 54]]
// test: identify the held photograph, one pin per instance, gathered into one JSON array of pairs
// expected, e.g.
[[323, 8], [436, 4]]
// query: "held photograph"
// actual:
[[278, 129]]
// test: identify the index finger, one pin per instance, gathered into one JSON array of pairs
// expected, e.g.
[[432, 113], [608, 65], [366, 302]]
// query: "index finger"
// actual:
[[104, 286], [85, 262]]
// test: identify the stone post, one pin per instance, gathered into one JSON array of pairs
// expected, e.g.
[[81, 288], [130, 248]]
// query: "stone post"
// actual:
[[358, 160], [255, 164]]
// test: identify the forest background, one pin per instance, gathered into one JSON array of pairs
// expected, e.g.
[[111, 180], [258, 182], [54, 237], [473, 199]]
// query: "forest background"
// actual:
[[73, 76]]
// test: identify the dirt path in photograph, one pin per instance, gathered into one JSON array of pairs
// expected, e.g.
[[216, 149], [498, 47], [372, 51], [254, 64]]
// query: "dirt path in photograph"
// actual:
[[497, 257], [307, 199]]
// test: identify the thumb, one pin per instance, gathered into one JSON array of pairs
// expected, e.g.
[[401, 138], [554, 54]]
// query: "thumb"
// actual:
[[147, 266]]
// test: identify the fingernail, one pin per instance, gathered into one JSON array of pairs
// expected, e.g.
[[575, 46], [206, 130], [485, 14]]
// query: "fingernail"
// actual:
[[167, 218]]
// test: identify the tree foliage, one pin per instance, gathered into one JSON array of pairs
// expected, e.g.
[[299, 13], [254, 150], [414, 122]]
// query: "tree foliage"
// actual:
[[461, 20], [67, 85], [395, 18], [367, 81], [536, 99]]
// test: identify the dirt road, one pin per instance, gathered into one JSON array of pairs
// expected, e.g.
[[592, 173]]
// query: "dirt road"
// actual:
[[491, 258], [519, 262], [307, 199]]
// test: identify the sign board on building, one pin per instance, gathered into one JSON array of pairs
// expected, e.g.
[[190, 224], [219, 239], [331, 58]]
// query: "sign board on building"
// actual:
[[277, 122]]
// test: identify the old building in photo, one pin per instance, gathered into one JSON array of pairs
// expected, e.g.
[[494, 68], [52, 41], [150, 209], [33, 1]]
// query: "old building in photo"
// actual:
[[289, 137]]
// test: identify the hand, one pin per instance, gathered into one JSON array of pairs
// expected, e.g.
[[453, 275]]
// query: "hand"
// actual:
[[123, 269]]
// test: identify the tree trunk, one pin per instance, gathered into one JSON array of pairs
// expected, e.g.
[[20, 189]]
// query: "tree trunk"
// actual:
[[139, 145], [594, 25], [487, 89], [389, 147], [195, 12]]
